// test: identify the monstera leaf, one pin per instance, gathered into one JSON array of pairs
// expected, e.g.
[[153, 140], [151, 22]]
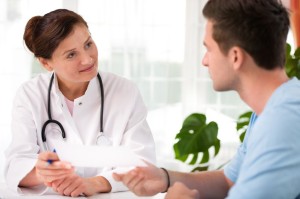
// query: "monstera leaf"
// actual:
[[195, 139], [242, 124], [292, 62]]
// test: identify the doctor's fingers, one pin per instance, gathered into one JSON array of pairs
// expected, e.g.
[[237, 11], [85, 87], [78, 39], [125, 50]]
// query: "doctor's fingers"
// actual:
[[47, 155], [56, 172], [74, 189], [56, 183], [68, 185], [47, 179], [52, 165]]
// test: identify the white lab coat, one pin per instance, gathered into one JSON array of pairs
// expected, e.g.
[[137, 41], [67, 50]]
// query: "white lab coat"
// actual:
[[124, 123]]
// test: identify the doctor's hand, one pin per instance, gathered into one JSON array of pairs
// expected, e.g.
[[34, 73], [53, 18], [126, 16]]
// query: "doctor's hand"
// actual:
[[180, 191], [49, 172], [74, 185], [144, 181], [45, 173]]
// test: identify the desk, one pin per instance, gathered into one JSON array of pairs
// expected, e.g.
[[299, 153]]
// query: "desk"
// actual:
[[6, 194]]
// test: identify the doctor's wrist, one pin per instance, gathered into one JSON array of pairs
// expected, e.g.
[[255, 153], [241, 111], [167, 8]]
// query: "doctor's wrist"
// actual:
[[103, 184]]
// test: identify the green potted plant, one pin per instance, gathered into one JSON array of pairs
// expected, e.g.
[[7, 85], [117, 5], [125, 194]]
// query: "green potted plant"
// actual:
[[196, 137]]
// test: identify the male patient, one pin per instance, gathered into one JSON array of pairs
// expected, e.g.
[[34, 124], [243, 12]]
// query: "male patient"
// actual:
[[245, 42]]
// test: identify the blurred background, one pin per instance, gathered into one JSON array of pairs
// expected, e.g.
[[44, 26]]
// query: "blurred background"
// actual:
[[155, 43]]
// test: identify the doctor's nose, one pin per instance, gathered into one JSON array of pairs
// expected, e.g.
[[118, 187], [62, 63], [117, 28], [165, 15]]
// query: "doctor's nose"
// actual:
[[86, 59]]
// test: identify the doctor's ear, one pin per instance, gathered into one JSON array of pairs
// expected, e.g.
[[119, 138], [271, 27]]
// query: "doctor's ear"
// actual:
[[45, 63]]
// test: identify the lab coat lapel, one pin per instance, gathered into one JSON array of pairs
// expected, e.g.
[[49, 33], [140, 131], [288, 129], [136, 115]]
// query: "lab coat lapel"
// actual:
[[86, 113], [61, 113]]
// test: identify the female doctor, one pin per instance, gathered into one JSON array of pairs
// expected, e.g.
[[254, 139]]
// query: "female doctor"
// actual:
[[74, 102]]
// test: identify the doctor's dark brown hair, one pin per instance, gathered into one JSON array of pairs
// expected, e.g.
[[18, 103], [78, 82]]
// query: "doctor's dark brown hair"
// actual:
[[259, 27], [43, 34]]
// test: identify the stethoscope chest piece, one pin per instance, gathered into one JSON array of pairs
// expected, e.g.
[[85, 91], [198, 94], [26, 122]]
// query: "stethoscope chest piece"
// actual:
[[102, 140]]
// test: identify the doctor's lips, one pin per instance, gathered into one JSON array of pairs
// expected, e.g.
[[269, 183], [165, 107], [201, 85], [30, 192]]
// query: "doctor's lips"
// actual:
[[87, 69]]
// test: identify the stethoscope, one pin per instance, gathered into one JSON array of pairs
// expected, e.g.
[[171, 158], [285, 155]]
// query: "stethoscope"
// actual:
[[100, 140]]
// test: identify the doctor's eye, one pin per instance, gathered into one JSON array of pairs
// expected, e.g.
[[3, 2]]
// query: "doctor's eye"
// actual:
[[88, 45], [71, 55]]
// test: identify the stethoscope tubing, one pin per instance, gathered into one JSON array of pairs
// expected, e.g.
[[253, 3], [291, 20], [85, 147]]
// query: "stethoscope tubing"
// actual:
[[50, 120]]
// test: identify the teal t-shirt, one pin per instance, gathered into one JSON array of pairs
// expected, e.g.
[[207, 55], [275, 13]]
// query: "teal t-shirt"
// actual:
[[267, 164]]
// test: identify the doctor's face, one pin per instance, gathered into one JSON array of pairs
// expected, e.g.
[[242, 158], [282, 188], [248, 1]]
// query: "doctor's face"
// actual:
[[75, 60], [218, 64]]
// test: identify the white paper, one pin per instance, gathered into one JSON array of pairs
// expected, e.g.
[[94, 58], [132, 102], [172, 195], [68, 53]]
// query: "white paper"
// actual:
[[97, 156]]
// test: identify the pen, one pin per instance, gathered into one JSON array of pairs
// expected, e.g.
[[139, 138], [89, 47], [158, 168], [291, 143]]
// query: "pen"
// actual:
[[49, 161]]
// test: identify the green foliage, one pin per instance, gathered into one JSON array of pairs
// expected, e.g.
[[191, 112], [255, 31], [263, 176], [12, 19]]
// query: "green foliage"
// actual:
[[242, 124], [292, 62], [195, 139]]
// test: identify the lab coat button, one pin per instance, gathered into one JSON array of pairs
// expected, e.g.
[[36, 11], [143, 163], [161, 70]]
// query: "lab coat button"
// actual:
[[80, 103]]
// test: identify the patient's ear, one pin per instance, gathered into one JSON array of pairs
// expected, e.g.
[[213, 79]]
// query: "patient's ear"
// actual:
[[237, 57], [46, 63]]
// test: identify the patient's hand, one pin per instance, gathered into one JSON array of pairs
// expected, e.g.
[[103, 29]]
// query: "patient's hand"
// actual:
[[180, 191]]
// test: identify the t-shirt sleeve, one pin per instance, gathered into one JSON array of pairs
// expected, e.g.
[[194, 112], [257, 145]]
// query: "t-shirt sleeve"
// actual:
[[232, 169]]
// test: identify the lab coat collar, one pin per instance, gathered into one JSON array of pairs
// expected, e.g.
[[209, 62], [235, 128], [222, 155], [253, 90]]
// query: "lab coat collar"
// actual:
[[92, 91]]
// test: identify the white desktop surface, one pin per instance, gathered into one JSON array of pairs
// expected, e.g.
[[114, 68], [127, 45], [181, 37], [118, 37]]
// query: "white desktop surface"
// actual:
[[6, 194]]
